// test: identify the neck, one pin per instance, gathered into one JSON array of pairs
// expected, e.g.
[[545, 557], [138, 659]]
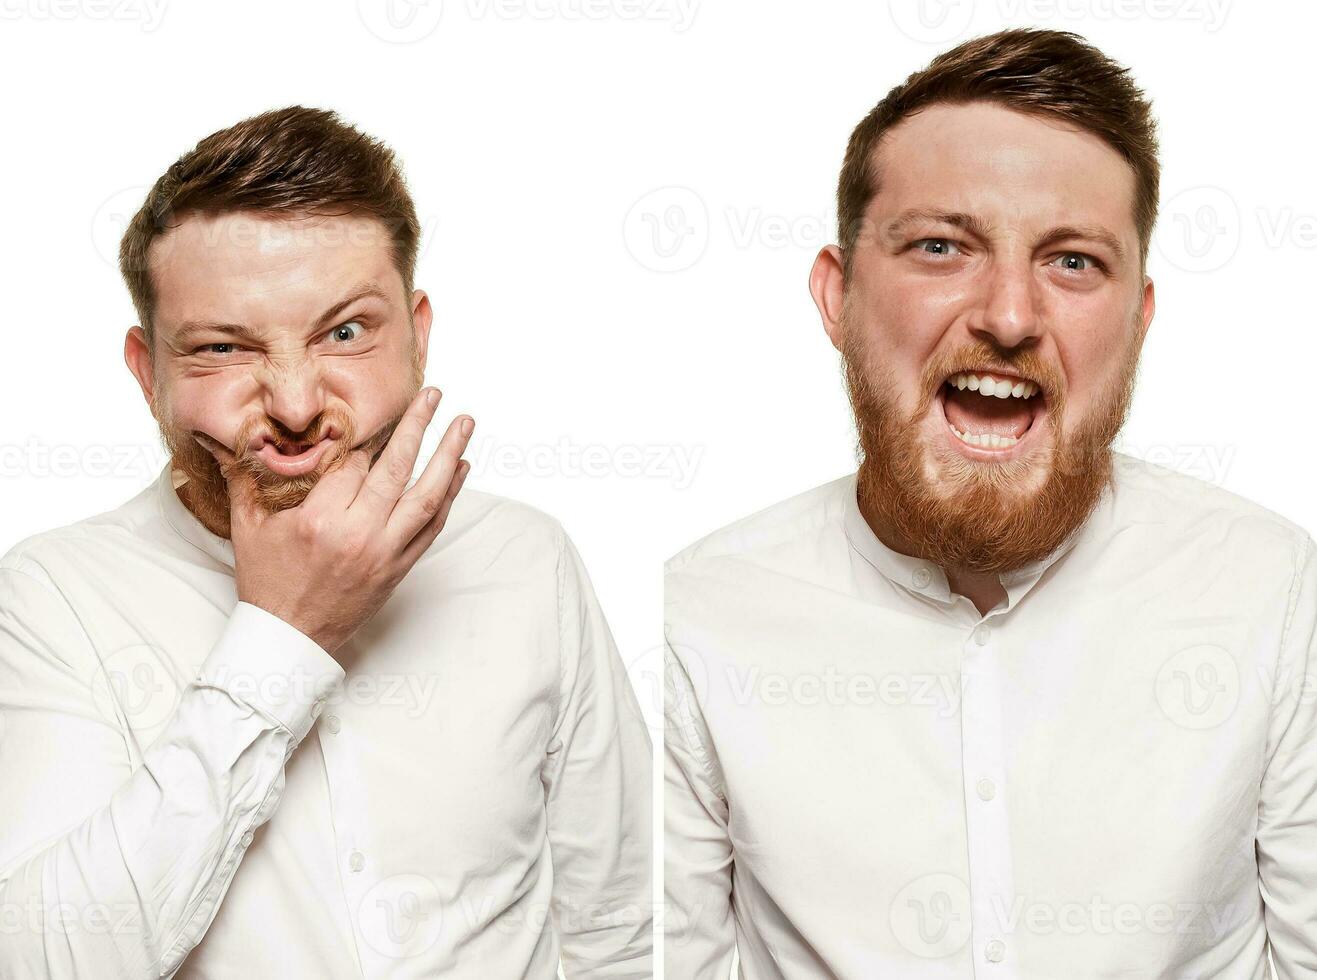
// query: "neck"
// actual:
[[984, 589]]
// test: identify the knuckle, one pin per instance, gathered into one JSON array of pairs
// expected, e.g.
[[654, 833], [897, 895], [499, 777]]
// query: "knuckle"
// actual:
[[311, 526], [352, 544], [400, 467], [430, 504]]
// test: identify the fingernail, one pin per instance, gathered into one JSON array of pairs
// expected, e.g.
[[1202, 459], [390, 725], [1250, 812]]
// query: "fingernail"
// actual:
[[468, 426], [432, 397]]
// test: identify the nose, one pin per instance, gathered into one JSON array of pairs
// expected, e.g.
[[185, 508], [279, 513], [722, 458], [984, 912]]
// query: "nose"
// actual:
[[1008, 314], [293, 394]]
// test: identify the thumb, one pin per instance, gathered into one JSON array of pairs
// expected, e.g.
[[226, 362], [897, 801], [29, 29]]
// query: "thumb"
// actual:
[[238, 481]]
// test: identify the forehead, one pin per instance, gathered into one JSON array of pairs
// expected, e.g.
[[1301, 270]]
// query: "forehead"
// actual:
[[1009, 167], [259, 269]]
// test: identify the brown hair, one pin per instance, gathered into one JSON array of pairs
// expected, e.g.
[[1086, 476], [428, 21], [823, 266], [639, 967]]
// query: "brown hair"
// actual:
[[1045, 72], [294, 161]]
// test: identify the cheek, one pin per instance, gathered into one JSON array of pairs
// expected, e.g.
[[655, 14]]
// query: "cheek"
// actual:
[[370, 388], [215, 405], [908, 315], [903, 332]]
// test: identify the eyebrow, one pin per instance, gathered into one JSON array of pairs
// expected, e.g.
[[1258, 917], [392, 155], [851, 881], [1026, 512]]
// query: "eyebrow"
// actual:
[[190, 328], [978, 226]]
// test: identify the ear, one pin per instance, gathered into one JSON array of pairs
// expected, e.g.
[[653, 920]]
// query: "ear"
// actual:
[[422, 317], [137, 355], [826, 285], [1149, 307]]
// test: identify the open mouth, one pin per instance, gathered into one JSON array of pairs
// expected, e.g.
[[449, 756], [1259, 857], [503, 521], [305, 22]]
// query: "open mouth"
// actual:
[[991, 415], [293, 459]]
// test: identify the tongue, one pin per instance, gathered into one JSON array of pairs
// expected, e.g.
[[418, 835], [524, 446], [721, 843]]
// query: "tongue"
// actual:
[[976, 414]]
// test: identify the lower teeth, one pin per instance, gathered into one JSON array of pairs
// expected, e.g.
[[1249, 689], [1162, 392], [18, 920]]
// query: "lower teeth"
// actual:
[[987, 440]]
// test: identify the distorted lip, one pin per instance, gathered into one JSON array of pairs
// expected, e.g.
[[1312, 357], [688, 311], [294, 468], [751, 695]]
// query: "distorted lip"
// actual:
[[290, 448]]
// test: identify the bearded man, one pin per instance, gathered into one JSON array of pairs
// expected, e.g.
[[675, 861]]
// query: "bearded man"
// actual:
[[1004, 702], [286, 713]]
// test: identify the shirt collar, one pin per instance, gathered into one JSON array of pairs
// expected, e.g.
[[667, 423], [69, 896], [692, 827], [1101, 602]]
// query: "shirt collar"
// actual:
[[930, 580], [184, 521]]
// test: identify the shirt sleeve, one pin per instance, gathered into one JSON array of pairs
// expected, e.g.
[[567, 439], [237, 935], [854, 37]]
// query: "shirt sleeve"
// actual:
[[111, 871], [699, 935], [598, 792], [1287, 813]]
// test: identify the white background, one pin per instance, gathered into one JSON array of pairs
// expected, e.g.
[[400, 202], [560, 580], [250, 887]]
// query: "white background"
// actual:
[[642, 390]]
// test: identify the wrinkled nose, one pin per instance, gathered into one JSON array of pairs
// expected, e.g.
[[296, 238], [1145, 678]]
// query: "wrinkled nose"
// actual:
[[294, 397]]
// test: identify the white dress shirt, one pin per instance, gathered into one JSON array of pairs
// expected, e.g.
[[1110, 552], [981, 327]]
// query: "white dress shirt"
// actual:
[[469, 800], [1113, 773]]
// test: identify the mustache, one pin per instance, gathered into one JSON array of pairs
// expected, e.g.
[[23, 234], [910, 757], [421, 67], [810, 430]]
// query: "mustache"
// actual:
[[258, 430]]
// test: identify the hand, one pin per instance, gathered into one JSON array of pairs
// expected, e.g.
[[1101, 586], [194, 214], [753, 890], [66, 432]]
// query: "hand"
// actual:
[[328, 565]]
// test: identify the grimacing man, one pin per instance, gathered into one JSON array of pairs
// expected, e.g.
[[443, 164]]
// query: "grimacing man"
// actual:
[[1004, 702], [283, 714]]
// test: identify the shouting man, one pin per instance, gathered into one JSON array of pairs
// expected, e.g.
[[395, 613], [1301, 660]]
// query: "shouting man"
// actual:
[[1003, 703], [285, 713]]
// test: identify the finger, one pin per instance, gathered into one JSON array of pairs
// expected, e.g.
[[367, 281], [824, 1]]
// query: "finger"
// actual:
[[339, 485], [237, 481], [423, 500], [388, 478], [426, 535], [223, 455]]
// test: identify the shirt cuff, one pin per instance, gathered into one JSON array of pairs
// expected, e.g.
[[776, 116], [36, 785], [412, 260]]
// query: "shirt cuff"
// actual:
[[272, 666]]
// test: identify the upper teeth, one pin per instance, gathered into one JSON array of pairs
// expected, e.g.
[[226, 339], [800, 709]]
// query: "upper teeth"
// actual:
[[986, 384]]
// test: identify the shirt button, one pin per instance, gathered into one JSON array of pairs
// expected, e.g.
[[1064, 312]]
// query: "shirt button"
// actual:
[[356, 861], [247, 839], [987, 789], [981, 635], [995, 951], [332, 723], [922, 577]]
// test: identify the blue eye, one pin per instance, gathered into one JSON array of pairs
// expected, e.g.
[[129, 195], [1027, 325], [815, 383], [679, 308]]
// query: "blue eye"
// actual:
[[943, 243], [1092, 262], [352, 329]]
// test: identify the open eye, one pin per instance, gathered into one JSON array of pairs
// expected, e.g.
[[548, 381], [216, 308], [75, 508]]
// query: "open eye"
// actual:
[[346, 332], [941, 243], [1092, 262], [216, 348]]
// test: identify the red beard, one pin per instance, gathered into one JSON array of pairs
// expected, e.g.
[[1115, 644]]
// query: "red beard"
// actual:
[[982, 521]]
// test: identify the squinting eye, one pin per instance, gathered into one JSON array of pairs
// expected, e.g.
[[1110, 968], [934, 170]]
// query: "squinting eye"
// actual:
[[210, 349], [942, 242], [352, 329]]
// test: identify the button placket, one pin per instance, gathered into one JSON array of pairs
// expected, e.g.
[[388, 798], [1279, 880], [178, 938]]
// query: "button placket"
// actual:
[[358, 866], [982, 755]]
